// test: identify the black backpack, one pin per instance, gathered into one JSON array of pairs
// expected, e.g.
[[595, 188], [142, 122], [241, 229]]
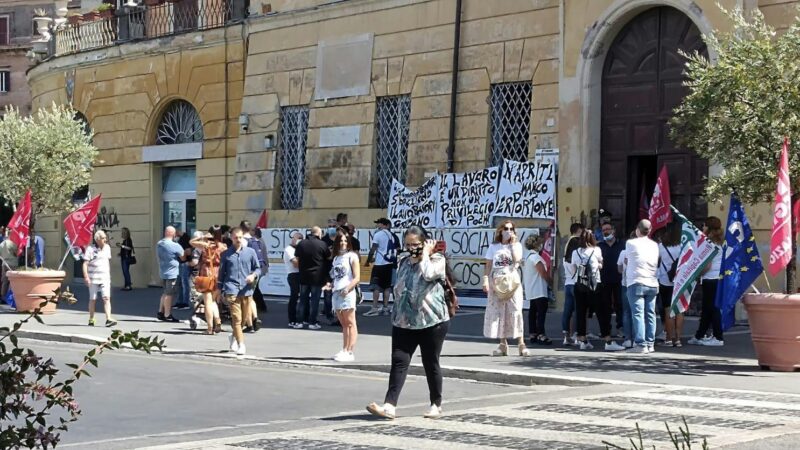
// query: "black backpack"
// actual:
[[585, 280], [673, 269]]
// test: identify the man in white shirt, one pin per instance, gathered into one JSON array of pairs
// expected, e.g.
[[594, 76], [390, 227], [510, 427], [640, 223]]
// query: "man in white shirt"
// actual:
[[97, 274], [641, 255], [293, 277]]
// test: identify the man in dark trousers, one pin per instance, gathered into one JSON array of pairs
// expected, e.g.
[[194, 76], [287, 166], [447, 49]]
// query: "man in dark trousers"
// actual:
[[313, 256], [610, 277]]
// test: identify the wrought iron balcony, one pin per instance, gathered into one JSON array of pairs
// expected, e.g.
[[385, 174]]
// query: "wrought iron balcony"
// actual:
[[146, 22]]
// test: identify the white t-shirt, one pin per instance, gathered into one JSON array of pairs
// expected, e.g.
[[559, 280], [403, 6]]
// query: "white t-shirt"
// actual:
[[713, 269], [382, 238], [623, 265], [667, 255], [288, 256], [99, 266], [500, 254], [642, 255], [342, 270], [534, 284], [591, 255]]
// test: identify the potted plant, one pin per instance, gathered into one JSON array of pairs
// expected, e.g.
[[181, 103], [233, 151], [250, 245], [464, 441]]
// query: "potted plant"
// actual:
[[737, 113], [74, 18], [91, 16], [50, 154], [106, 10], [42, 23]]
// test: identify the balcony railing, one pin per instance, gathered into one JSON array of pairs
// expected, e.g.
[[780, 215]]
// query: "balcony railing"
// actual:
[[147, 22]]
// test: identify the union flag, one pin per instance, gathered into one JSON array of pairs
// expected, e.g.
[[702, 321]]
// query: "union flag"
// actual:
[[80, 223]]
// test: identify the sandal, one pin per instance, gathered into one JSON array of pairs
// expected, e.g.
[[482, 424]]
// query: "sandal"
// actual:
[[209, 332], [543, 340], [523, 351], [502, 350]]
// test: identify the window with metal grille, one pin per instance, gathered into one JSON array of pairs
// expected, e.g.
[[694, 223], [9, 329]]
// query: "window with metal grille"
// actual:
[[5, 81], [292, 157], [180, 124], [511, 121], [391, 146]]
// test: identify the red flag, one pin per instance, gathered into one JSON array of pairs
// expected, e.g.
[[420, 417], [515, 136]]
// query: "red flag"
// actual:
[[80, 223], [780, 248], [660, 213], [796, 215], [262, 221], [19, 226], [644, 206]]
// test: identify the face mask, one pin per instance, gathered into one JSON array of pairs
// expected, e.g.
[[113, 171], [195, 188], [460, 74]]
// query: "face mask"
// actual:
[[331, 231], [609, 237], [506, 235], [415, 252]]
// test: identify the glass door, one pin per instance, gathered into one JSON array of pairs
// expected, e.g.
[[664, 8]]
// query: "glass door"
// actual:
[[179, 198]]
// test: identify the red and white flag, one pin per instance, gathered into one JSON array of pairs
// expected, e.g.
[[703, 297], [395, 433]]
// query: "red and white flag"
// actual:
[[262, 220], [80, 223], [19, 227], [660, 214], [780, 248]]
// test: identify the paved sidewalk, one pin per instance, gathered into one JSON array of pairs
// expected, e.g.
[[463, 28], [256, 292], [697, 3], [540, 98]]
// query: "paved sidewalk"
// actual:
[[466, 352]]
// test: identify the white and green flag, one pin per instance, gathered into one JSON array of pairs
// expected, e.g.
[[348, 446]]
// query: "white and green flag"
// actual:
[[696, 252]]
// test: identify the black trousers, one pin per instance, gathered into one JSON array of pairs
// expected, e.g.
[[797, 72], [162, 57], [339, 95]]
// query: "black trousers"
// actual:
[[586, 300], [537, 313], [611, 296], [294, 294], [665, 298], [404, 344], [710, 315]]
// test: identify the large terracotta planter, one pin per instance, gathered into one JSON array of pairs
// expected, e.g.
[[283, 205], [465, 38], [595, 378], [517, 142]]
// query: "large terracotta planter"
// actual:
[[775, 329], [28, 285]]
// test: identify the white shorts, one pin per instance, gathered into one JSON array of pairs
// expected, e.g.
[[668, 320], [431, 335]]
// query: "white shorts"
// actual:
[[104, 289], [342, 302]]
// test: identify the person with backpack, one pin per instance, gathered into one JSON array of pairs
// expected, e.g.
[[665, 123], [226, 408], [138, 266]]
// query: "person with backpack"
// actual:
[[669, 250], [587, 261], [383, 253], [211, 248], [501, 282], [641, 254]]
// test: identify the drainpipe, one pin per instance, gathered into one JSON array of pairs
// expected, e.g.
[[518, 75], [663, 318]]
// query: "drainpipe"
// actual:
[[451, 144]]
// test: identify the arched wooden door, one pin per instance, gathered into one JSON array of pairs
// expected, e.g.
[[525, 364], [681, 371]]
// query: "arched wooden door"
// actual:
[[642, 84]]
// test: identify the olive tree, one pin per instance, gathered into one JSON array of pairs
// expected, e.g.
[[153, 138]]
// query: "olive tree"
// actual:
[[740, 108]]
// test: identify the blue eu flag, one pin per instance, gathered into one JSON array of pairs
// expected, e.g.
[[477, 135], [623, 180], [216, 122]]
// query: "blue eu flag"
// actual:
[[741, 263]]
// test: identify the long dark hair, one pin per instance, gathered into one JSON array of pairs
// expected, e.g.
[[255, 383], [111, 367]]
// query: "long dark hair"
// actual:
[[587, 240], [340, 235], [216, 233], [572, 245]]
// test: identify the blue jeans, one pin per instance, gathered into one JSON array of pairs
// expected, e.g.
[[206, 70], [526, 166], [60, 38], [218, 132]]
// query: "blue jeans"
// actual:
[[309, 296], [642, 301], [126, 270], [569, 307], [627, 318], [183, 276]]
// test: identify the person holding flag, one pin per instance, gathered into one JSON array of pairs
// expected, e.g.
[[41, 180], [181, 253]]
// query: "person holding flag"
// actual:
[[741, 263], [710, 314]]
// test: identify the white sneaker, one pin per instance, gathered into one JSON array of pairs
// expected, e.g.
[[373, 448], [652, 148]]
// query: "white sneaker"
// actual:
[[713, 342], [241, 350], [344, 356], [637, 349], [291, 325], [314, 326], [434, 413], [627, 343], [234, 346], [592, 336], [372, 312], [298, 326], [662, 336], [338, 355], [566, 341], [613, 347], [387, 411], [651, 349], [586, 345], [694, 341]]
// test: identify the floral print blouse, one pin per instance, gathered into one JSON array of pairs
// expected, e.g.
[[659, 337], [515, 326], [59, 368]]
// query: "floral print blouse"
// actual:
[[419, 294]]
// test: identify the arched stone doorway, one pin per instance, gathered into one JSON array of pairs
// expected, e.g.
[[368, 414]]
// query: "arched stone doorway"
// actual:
[[641, 85]]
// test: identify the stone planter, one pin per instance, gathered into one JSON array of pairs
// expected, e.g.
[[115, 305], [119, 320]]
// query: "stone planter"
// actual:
[[29, 285], [43, 26], [775, 329]]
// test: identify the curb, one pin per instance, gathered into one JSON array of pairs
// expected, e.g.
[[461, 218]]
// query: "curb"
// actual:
[[58, 337]]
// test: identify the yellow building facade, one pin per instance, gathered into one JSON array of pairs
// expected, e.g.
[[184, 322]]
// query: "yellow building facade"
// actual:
[[321, 75]]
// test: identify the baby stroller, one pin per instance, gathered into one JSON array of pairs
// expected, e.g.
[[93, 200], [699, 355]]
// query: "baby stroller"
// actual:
[[199, 313]]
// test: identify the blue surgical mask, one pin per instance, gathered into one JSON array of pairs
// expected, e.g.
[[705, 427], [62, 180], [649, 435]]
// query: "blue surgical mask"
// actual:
[[331, 231], [609, 237]]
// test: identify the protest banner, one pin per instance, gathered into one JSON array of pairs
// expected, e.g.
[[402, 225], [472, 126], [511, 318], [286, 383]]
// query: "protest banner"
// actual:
[[467, 200], [407, 207], [527, 190]]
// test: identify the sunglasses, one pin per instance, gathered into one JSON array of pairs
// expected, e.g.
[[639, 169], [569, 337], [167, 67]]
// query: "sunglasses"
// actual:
[[509, 228]]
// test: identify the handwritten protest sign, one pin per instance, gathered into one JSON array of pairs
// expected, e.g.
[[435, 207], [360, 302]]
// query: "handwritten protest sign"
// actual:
[[407, 207], [467, 200], [527, 190]]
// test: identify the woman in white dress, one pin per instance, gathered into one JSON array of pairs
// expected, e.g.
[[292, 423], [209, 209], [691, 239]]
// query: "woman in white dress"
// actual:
[[345, 276], [503, 317]]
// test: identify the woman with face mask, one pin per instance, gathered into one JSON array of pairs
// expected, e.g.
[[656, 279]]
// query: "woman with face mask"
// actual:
[[345, 276], [419, 319], [503, 316]]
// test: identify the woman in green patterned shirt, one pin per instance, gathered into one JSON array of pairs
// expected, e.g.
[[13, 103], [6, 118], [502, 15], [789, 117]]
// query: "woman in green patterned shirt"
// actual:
[[419, 319]]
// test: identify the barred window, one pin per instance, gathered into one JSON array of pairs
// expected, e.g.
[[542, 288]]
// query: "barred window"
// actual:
[[511, 121], [292, 158], [391, 146], [5, 81]]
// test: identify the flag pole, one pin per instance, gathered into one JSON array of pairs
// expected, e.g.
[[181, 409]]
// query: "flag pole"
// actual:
[[64, 259], [764, 273]]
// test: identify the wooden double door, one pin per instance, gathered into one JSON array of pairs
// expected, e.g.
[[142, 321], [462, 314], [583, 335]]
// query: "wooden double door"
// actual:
[[642, 83]]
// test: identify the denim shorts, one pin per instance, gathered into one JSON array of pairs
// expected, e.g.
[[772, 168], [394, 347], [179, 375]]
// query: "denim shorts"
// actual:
[[342, 302]]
